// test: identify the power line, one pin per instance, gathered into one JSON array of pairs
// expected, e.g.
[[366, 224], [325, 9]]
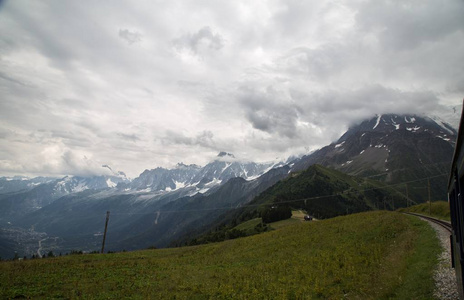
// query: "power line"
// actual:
[[284, 202], [409, 169], [228, 208]]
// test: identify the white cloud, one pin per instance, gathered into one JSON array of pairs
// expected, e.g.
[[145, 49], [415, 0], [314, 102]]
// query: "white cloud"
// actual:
[[146, 85]]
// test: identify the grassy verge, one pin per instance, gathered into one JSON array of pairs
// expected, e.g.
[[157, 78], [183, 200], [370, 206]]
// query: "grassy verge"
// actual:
[[438, 209], [249, 225], [284, 223], [375, 255], [418, 280], [297, 216]]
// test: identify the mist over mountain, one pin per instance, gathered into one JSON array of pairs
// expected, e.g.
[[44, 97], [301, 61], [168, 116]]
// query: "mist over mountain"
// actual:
[[201, 179], [393, 148], [162, 205]]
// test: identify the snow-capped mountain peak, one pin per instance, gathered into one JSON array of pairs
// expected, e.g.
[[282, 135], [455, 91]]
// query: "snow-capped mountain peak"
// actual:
[[74, 184], [219, 171], [183, 166], [386, 142], [388, 123]]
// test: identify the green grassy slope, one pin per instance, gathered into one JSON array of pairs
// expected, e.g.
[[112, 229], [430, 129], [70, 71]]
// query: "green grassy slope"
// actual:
[[321, 192], [361, 256], [330, 193], [249, 225], [438, 209]]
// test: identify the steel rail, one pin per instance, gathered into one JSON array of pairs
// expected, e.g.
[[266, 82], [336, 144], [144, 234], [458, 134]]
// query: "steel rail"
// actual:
[[445, 224]]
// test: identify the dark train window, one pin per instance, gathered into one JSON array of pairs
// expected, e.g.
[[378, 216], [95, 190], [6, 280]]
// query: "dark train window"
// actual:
[[455, 208], [452, 204], [460, 212]]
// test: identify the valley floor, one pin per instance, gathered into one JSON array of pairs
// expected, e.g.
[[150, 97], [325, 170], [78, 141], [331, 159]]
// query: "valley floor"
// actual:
[[374, 255]]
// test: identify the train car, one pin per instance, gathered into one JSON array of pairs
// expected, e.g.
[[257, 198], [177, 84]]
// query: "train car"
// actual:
[[456, 202]]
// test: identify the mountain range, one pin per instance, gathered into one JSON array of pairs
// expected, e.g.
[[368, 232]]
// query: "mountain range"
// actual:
[[199, 179], [163, 205]]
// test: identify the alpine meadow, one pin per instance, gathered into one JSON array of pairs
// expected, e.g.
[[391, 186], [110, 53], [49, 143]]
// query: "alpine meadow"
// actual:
[[273, 149]]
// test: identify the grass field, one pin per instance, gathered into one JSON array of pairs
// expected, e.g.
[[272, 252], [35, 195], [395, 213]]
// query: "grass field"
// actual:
[[284, 223], [375, 255], [438, 209], [297, 216], [249, 225]]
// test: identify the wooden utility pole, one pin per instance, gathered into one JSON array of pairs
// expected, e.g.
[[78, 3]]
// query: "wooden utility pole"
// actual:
[[407, 196], [106, 227], [430, 202]]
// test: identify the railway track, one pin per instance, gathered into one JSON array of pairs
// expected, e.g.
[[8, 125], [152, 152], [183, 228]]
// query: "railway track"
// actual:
[[444, 224]]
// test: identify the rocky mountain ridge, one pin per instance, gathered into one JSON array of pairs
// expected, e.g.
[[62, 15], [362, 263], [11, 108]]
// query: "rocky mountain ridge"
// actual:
[[392, 148], [223, 168]]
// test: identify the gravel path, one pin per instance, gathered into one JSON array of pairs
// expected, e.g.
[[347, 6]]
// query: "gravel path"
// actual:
[[445, 279]]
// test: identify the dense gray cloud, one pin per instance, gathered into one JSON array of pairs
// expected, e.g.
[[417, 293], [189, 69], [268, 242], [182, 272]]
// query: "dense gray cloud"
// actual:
[[130, 137], [270, 112], [200, 41], [130, 37], [86, 84], [408, 25], [203, 139]]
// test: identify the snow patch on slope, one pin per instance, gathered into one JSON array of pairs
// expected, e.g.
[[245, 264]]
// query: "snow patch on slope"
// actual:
[[179, 185], [410, 121], [378, 121], [339, 145], [441, 123], [414, 129], [110, 183], [444, 138], [81, 186]]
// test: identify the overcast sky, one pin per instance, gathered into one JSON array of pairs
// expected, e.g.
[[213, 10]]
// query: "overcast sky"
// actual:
[[141, 84]]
